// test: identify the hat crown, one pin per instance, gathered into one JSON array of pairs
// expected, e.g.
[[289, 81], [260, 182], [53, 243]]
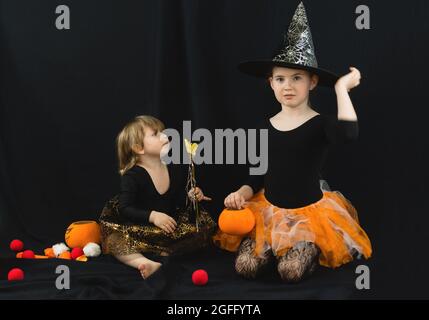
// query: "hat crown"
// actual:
[[298, 47]]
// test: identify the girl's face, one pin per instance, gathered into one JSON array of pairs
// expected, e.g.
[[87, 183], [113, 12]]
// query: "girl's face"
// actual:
[[155, 143], [291, 86]]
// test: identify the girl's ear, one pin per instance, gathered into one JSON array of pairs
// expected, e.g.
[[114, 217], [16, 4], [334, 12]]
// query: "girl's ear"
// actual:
[[138, 149], [314, 81], [270, 81]]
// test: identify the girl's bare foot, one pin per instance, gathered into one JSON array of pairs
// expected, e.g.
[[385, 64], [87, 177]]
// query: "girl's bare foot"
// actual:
[[148, 268]]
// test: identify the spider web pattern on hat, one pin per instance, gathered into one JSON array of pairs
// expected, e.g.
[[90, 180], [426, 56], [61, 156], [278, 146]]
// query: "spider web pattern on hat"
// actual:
[[300, 48]]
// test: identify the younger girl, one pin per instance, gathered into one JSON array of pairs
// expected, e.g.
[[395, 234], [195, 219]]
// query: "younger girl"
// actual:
[[297, 221], [145, 216]]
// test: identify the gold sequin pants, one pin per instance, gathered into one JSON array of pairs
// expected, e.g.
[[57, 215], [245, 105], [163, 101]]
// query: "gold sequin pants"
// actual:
[[122, 238]]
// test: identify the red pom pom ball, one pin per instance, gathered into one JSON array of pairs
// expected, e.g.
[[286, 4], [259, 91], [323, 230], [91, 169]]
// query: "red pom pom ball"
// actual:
[[200, 277], [76, 253], [16, 245], [28, 254], [15, 274]]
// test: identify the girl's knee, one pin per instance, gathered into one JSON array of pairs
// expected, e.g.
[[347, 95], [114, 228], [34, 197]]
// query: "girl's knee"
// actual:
[[247, 265], [299, 262], [291, 272]]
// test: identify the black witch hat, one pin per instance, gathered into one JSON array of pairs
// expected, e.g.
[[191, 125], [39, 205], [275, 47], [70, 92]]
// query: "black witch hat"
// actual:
[[297, 52]]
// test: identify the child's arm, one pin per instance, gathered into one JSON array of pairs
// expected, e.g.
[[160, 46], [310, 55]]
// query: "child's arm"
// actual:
[[246, 192], [347, 82], [236, 200], [128, 209], [127, 201], [162, 221]]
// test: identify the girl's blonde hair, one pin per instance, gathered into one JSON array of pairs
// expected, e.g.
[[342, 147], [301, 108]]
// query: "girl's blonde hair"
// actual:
[[132, 135]]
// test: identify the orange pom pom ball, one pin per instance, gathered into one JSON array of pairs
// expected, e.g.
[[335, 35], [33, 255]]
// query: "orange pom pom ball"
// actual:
[[49, 252], [236, 222], [82, 258], [80, 233], [65, 255]]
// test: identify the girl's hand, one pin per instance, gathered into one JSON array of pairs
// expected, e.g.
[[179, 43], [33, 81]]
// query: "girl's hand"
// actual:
[[234, 200], [163, 221], [197, 194], [350, 80]]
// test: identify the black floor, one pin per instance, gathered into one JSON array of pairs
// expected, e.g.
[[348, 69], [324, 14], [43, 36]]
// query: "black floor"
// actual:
[[106, 278]]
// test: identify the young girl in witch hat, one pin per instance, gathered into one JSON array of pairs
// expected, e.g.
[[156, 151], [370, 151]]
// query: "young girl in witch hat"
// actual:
[[298, 221]]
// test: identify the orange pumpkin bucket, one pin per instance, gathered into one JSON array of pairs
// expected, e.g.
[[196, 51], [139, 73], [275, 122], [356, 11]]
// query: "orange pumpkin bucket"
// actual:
[[236, 222], [80, 233]]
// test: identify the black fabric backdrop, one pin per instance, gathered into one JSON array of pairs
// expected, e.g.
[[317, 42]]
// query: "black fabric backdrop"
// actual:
[[66, 94]]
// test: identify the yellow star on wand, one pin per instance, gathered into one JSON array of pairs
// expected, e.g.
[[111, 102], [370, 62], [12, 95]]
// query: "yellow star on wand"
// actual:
[[191, 148]]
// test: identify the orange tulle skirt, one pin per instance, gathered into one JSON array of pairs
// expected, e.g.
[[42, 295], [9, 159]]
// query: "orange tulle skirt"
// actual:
[[331, 223]]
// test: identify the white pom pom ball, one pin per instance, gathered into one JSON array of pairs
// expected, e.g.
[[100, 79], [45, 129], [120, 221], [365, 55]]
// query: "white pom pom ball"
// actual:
[[60, 248], [92, 250]]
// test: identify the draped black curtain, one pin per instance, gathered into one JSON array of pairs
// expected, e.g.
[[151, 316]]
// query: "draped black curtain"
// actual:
[[65, 94]]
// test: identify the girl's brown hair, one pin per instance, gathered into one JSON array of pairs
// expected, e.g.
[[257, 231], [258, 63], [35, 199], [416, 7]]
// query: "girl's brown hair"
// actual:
[[132, 136]]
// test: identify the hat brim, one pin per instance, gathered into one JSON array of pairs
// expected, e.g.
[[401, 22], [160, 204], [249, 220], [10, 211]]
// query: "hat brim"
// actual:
[[263, 68]]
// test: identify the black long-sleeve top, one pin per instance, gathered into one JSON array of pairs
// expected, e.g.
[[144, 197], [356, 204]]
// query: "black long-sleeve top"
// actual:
[[296, 157], [138, 195]]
